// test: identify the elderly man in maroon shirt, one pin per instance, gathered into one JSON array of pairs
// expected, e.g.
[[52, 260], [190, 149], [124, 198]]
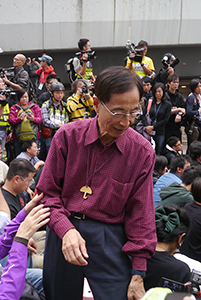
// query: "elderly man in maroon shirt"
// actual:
[[97, 180]]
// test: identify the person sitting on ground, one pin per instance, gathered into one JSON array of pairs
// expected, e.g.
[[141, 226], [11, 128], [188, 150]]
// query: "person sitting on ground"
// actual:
[[192, 245], [177, 167], [80, 103], [195, 152], [172, 148], [180, 194], [172, 224], [14, 241], [160, 167], [29, 152]]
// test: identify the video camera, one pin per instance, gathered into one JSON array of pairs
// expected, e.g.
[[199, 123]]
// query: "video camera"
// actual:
[[131, 48], [192, 287], [9, 72], [8, 93], [165, 61], [91, 54]]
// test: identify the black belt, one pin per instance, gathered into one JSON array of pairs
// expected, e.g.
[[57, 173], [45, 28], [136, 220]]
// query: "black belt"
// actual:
[[80, 216]]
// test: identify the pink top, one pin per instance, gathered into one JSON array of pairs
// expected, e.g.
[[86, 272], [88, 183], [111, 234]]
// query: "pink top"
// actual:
[[14, 120], [122, 188]]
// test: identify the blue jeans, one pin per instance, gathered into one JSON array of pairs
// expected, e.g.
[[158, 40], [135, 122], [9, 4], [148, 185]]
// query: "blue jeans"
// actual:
[[35, 276], [159, 140]]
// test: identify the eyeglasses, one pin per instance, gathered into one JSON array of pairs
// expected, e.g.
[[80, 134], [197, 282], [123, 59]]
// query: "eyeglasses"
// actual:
[[119, 115], [180, 144], [29, 181]]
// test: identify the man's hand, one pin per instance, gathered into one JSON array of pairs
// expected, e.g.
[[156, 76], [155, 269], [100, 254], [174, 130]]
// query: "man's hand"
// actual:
[[73, 248], [32, 247], [170, 70], [2, 97], [85, 57], [28, 62], [5, 79], [136, 288], [149, 129], [30, 192], [38, 164], [34, 202]]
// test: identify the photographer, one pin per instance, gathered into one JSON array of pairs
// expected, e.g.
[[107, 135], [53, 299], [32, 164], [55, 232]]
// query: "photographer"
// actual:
[[4, 116], [143, 68], [169, 61], [21, 77], [82, 65], [193, 111], [80, 103]]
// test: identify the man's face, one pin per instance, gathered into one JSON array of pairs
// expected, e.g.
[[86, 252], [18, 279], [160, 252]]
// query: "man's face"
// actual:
[[87, 47], [198, 89], [18, 61], [33, 151], [187, 164], [146, 87], [110, 127], [57, 96], [178, 147], [23, 183], [2, 84], [173, 85], [145, 50], [50, 82]]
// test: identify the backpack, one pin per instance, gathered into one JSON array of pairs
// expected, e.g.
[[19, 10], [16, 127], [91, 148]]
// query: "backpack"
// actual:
[[69, 68], [26, 130], [30, 292]]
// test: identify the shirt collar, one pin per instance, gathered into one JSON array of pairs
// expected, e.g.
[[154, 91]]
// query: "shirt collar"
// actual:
[[92, 135]]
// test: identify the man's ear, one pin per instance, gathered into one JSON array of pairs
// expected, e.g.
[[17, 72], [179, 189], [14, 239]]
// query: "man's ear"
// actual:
[[16, 179], [96, 103]]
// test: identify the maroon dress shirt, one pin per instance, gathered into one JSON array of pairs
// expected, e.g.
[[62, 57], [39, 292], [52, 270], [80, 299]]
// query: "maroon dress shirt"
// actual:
[[122, 188]]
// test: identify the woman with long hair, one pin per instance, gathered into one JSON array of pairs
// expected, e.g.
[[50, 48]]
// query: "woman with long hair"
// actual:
[[160, 112]]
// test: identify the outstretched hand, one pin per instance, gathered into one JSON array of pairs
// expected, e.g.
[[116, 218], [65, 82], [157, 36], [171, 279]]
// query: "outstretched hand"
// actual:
[[33, 203], [38, 217]]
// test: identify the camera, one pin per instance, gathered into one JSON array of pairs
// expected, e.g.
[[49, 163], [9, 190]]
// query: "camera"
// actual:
[[9, 72], [9, 93], [165, 61], [191, 287], [91, 54], [85, 89], [131, 48]]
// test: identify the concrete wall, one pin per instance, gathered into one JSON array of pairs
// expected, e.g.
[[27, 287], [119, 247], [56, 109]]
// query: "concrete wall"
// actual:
[[35, 26], [48, 24]]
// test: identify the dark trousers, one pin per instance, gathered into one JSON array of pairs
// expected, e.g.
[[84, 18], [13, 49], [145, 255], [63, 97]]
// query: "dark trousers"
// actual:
[[108, 271]]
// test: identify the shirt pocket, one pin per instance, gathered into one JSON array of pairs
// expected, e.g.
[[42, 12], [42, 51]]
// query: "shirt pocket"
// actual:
[[114, 197]]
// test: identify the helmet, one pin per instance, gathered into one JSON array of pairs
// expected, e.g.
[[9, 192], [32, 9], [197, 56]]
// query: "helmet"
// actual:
[[57, 86]]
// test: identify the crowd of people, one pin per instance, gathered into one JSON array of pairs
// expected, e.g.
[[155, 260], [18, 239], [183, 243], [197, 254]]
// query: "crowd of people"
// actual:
[[100, 160]]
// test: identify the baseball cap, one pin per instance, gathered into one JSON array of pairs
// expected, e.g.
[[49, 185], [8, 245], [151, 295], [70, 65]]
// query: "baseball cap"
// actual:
[[46, 58]]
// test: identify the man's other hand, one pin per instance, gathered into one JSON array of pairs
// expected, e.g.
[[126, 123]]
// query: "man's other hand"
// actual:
[[136, 288], [73, 248]]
